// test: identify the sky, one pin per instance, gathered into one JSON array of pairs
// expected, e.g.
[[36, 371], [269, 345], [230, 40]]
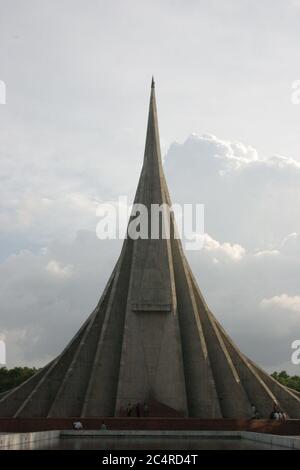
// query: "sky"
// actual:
[[72, 134]]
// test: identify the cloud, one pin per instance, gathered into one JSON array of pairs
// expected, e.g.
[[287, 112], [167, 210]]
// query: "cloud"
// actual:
[[267, 253], [52, 183], [234, 252], [45, 296], [249, 200], [55, 268], [283, 301]]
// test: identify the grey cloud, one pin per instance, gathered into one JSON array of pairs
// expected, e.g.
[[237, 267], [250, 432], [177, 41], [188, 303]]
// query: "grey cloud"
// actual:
[[248, 199]]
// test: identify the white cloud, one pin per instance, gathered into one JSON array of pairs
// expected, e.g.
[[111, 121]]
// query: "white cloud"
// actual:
[[56, 269], [235, 252], [283, 301], [249, 200], [267, 253], [291, 237]]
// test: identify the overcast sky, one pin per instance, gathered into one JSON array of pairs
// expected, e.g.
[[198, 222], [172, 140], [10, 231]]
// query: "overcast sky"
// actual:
[[72, 133]]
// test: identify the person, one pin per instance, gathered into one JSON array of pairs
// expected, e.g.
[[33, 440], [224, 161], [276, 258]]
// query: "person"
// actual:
[[276, 411], [103, 426], [145, 409], [129, 409], [254, 411], [77, 425]]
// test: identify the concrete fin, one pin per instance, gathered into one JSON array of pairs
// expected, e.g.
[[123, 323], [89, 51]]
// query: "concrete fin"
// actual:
[[233, 399], [14, 399], [201, 391], [100, 395], [70, 395], [257, 391], [41, 398], [288, 399]]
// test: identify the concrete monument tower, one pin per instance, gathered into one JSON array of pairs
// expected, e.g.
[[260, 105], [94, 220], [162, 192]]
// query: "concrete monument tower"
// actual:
[[151, 337]]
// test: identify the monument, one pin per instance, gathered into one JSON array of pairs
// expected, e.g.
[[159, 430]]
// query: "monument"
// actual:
[[151, 338]]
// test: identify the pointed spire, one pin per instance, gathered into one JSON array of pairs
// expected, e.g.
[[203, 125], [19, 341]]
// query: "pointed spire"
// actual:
[[152, 139], [151, 180]]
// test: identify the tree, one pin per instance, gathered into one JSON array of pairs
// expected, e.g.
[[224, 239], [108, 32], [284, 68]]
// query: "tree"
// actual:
[[10, 378], [287, 380]]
